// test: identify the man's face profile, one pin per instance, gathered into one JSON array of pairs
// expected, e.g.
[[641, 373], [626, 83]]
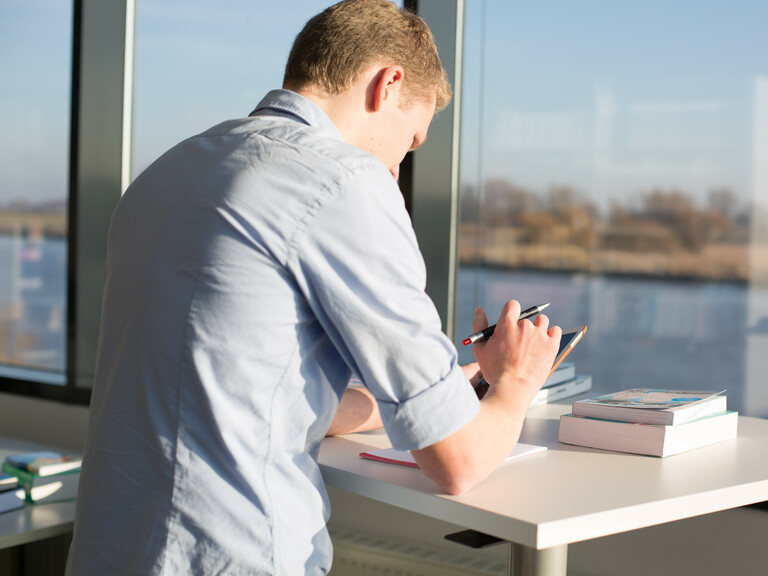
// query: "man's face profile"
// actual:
[[405, 129]]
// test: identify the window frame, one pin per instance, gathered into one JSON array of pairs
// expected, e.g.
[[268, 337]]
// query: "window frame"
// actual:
[[100, 161], [431, 177]]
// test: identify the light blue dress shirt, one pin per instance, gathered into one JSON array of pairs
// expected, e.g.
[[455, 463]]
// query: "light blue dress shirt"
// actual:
[[250, 271]]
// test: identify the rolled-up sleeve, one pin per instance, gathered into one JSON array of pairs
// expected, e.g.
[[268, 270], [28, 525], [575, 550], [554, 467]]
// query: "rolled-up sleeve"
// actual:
[[357, 261]]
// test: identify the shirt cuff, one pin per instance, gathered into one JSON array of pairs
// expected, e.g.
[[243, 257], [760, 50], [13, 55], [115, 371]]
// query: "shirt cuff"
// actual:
[[432, 415]]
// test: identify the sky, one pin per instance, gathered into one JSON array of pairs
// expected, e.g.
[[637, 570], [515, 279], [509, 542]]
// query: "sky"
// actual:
[[35, 71], [615, 98], [609, 97], [199, 63]]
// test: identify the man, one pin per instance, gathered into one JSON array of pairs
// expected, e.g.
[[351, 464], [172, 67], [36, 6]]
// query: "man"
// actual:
[[251, 270]]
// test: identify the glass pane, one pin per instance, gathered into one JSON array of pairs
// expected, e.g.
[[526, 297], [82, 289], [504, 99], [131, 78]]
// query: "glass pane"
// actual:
[[199, 63], [35, 67], [615, 164]]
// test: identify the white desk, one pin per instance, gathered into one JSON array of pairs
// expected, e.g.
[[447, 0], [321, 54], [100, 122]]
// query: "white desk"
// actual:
[[542, 503], [32, 522]]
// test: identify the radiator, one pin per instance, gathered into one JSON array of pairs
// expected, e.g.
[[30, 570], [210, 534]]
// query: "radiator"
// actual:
[[362, 555]]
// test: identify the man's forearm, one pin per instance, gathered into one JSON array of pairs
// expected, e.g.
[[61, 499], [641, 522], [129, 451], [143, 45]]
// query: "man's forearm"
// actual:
[[460, 461], [516, 361], [357, 412]]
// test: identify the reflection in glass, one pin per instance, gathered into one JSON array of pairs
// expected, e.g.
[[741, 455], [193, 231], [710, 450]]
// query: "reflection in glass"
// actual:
[[199, 63], [616, 166], [35, 67]]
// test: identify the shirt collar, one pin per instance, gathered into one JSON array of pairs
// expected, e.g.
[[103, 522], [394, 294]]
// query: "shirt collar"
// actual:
[[291, 104]]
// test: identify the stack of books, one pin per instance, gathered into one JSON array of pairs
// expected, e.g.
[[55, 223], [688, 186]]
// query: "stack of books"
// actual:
[[45, 476], [11, 498], [649, 421], [562, 383]]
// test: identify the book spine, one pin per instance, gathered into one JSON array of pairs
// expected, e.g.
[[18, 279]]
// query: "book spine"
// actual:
[[24, 476], [29, 477]]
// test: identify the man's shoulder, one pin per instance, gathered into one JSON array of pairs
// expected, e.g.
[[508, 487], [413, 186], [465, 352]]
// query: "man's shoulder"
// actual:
[[297, 142], [338, 154]]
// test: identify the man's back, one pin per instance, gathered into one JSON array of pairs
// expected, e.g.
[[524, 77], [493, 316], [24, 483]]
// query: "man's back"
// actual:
[[216, 381], [250, 271]]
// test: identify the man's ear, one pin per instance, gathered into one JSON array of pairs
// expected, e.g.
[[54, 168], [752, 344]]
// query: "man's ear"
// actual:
[[387, 86]]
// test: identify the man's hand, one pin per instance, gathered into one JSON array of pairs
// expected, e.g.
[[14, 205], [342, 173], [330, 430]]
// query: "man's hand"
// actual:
[[520, 351], [515, 361]]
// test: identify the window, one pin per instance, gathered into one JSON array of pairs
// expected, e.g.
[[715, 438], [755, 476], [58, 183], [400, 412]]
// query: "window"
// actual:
[[35, 65], [200, 63], [615, 163], [70, 144]]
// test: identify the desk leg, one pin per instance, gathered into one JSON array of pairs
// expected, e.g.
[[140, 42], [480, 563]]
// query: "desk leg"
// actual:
[[526, 561]]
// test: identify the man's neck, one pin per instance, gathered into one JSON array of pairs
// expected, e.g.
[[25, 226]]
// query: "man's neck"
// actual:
[[347, 111]]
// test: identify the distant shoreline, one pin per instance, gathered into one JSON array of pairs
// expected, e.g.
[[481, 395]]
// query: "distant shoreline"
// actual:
[[33, 224], [683, 279], [43, 233]]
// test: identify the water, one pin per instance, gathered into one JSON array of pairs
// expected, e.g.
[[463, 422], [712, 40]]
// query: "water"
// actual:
[[33, 303], [642, 332]]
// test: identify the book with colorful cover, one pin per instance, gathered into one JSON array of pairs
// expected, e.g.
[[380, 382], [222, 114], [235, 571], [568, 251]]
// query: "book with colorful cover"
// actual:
[[405, 458], [45, 463], [652, 406]]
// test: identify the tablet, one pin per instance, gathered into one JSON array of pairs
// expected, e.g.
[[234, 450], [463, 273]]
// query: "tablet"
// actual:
[[570, 338]]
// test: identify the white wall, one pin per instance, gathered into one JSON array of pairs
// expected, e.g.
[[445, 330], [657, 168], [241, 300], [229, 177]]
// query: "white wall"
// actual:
[[47, 422], [726, 543]]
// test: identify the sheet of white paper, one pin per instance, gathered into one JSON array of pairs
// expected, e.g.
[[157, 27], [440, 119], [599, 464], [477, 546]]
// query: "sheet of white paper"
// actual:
[[405, 457]]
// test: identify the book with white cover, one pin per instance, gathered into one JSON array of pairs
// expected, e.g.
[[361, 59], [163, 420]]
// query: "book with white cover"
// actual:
[[652, 406], [58, 488], [572, 387], [566, 371], [649, 439]]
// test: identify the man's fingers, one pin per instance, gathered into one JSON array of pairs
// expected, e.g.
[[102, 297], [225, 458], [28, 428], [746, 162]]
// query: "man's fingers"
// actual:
[[512, 310], [480, 322], [541, 321]]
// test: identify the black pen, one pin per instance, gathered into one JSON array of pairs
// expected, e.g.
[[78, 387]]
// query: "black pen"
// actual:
[[488, 332]]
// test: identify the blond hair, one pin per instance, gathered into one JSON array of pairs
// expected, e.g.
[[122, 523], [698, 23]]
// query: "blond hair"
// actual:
[[338, 44]]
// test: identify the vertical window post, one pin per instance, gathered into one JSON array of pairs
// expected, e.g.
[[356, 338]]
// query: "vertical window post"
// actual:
[[101, 160], [435, 166]]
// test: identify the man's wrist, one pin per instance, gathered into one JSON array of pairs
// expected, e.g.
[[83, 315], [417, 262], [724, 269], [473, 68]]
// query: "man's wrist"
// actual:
[[512, 391]]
